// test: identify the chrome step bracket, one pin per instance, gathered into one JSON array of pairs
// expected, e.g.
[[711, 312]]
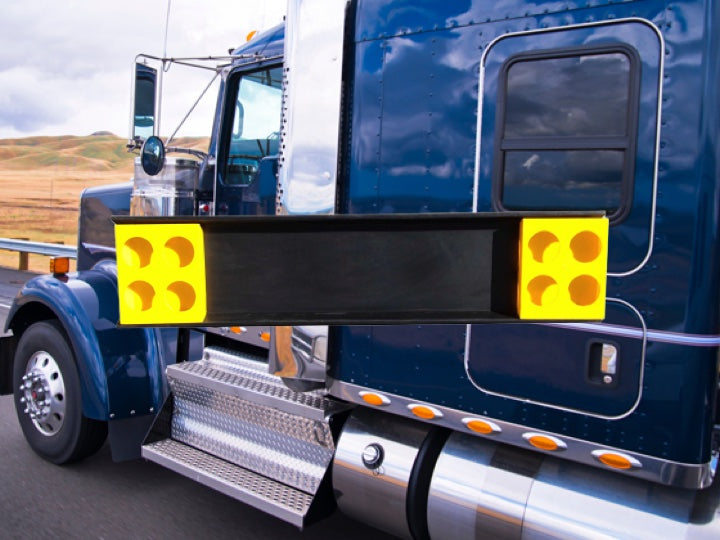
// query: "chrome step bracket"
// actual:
[[290, 505]]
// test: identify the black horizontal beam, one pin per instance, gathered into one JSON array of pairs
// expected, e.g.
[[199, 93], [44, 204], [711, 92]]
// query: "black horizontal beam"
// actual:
[[339, 269]]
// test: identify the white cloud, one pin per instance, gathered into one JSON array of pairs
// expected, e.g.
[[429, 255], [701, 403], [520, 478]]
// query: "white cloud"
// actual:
[[65, 67]]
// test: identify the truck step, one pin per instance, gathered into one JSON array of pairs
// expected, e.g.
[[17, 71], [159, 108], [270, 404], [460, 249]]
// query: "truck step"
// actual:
[[286, 503], [230, 407], [246, 377]]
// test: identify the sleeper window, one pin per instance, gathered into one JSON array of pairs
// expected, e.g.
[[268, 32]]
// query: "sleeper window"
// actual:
[[567, 130]]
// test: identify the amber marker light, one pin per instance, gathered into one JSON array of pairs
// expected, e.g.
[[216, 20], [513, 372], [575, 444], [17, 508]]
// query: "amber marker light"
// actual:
[[424, 411], [544, 442], [59, 265], [371, 398], [265, 336], [616, 460], [484, 427]]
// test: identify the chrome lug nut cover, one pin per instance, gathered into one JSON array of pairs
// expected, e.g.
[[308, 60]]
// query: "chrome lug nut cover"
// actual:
[[43, 393]]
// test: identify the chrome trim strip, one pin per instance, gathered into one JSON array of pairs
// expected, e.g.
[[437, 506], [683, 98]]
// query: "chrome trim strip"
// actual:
[[559, 407], [659, 336], [312, 92], [312, 80], [656, 159], [691, 476]]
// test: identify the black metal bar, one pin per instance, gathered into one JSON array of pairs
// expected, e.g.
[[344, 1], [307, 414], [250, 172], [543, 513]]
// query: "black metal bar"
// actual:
[[358, 269]]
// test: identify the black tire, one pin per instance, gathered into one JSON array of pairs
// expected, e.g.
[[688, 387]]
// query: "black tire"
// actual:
[[48, 397]]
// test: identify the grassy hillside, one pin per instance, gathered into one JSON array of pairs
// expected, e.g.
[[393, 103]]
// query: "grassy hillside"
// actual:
[[101, 152], [94, 153], [41, 179]]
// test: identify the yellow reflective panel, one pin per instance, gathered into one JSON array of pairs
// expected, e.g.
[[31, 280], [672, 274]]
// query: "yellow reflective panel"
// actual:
[[562, 268], [161, 273]]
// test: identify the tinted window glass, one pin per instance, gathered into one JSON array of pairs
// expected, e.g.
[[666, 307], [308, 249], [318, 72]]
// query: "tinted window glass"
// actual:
[[568, 97], [256, 124], [563, 180], [567, 131]]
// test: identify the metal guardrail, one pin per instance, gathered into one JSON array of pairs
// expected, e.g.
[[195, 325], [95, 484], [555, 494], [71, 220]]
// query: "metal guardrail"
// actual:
[[39, 248]]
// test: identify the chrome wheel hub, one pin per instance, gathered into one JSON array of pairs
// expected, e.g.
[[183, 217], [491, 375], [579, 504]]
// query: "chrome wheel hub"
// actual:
[[43, 393]]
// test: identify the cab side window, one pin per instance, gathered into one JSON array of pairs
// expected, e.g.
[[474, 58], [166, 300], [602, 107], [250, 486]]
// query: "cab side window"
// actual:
[[566, 128], [255, 127]]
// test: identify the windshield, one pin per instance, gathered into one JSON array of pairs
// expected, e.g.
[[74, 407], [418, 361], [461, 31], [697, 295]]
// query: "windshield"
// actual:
[[256, 124]]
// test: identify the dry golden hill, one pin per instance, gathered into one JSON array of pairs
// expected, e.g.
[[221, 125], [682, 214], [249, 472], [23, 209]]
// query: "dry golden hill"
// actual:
[[41, 179]]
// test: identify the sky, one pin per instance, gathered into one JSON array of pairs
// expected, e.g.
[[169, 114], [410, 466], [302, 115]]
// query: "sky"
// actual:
[[66, 66]]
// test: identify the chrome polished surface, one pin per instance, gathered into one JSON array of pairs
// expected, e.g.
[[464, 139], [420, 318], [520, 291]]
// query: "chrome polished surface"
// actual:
[[43, 393], [169, 193], [229, 407], [475, 493], [481, 489], [376, 495], [281, 501], [570, 501], [313, 84], [667, 472]]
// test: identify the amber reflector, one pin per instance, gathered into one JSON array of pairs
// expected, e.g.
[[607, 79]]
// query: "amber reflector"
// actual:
[[480, 426], [616, 461], [544, 442], [59, 265], [374, 399], [426, 413]]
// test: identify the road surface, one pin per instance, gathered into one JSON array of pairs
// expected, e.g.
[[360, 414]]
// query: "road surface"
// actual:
[[100, 499]]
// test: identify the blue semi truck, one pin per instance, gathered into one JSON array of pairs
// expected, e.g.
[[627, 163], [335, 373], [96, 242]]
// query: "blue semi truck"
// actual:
[[418, 411]]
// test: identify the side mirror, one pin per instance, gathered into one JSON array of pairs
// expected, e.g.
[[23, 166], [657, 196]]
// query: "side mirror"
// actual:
[[152, 155], [144, 102]]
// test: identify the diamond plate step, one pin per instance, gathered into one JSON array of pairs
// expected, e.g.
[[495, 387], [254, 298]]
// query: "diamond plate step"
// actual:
[[230, 407], [284, 502], [246, 377]]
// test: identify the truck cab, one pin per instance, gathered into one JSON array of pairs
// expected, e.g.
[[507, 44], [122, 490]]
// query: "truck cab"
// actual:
[[338, 137]]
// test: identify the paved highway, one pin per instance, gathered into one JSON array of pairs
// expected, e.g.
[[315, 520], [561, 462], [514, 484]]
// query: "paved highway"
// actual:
[[10, 282], [100, 499]]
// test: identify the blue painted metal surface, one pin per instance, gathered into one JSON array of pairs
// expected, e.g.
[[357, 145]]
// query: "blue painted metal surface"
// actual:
[[96, 237], [121, 370], [413, 127]]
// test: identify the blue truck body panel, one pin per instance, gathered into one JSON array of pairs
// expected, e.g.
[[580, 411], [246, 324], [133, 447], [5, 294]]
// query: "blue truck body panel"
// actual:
[[427, 98], [121, 370]]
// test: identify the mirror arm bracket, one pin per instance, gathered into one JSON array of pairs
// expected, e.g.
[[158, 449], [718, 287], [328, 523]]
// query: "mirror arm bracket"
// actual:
[[197, 153]]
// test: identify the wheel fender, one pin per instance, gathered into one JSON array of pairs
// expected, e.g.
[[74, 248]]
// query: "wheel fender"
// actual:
[[121, 369]]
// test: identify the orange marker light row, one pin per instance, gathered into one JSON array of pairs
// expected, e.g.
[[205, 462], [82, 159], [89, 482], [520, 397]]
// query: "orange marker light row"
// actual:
[[541, 441]]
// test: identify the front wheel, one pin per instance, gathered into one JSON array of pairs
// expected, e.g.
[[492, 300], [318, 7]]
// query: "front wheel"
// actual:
[[48, 397]]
